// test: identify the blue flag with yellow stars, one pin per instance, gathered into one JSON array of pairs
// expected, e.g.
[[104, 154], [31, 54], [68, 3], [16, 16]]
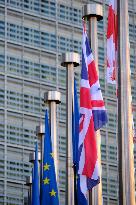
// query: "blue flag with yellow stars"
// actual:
[[35, 179], [49, 184]]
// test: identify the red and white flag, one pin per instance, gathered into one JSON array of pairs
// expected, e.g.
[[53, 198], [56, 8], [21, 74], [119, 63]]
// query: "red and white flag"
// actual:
[[112, 43]]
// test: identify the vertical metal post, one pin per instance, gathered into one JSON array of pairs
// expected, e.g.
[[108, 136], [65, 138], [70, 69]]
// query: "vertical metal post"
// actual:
[[29, 178], [32, 157], [40, 131], [53, 97], [94, 12], [69, 60], [125, 134], [29, 184], [26, 201]]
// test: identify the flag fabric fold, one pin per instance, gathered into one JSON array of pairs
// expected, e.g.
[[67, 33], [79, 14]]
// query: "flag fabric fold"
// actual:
[[87, 148], [49, 184], [35, 180], [75, 124], [93, 116], [80, 198], [98, 106], [112, 43], [133, 129]]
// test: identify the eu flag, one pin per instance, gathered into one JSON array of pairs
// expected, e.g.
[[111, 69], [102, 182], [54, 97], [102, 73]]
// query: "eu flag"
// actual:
[[35, 180], [49, 185], [75, 128]]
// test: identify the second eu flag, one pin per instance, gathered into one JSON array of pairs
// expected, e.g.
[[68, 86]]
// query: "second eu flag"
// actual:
[[49, 184]]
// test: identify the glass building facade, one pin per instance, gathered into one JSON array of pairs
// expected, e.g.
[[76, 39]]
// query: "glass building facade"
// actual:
[[33, 35]]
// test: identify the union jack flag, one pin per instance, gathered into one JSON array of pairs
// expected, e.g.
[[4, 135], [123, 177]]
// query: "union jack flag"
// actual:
[[133, 129], [92, 117], [98, 106], [112, 42]]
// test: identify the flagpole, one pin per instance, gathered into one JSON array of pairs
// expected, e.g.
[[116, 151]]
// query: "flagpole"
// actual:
[[69, 60], [93, 13], [29, 184], [40, 131], [26, 202], [125, 133], [32, 157], [29, 178], [53, 98]]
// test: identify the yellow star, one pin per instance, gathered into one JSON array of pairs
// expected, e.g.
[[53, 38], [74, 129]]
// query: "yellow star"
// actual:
[[52, 155], [46, 167], [46, 180], [53, 193]]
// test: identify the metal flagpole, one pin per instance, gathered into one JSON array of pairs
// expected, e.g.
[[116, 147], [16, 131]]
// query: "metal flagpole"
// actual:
[[53, 97], [125, 133], [32, 157], [26, 202], [29, 184], [94, 12], [29, 178], [69, 60], [40, 131]]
